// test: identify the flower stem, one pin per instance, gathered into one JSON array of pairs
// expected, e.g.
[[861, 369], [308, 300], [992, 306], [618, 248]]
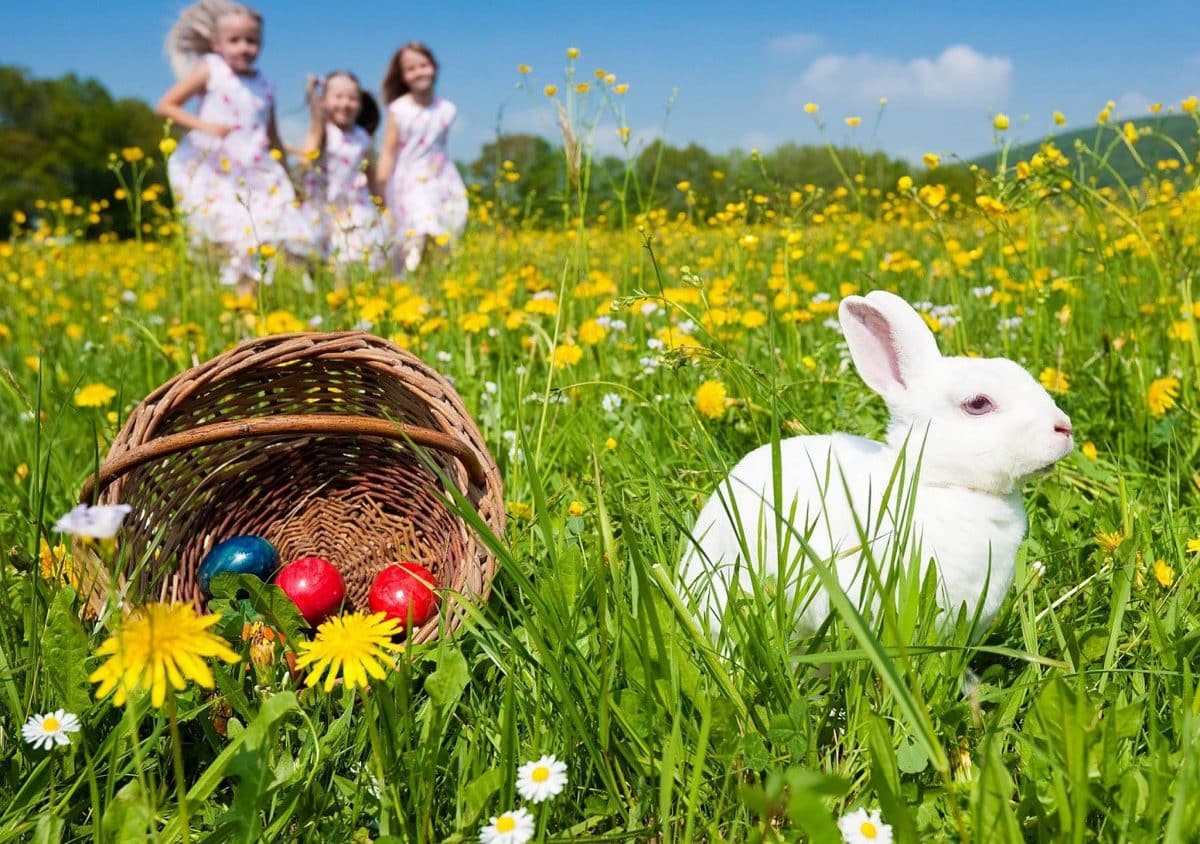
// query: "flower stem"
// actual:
[[177, 752]]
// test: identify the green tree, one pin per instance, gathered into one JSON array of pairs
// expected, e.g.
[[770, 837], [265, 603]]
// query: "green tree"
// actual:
[[55, 139]]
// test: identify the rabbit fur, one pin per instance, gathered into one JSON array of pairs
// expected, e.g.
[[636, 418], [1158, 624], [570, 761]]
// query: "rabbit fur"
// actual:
[[978, 427]]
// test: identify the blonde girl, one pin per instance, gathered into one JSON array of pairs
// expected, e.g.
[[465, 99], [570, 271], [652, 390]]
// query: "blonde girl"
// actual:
[[228, 175]]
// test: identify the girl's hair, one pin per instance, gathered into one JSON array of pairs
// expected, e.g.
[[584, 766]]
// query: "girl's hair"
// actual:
[[194, 32], [394, 86], [368, 110]]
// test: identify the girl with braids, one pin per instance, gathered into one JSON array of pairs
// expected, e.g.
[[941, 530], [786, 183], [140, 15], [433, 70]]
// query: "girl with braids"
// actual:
[[424, 193], [339, 185], [228, 175]]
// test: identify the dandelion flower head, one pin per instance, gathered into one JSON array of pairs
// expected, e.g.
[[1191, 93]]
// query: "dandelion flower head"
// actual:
[[352, 646], [156, 645]]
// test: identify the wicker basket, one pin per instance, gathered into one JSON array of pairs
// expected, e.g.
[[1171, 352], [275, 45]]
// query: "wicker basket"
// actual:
[[319, 442]]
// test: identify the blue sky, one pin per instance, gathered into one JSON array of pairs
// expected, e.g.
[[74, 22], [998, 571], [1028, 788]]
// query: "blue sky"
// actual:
[[740, 72]]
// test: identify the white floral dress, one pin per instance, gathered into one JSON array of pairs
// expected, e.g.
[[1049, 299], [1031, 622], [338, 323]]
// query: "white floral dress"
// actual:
[[425, 193], [231, 191], [338, 200]]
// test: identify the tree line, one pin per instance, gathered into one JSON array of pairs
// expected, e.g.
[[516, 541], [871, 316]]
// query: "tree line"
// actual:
[[57, 135]]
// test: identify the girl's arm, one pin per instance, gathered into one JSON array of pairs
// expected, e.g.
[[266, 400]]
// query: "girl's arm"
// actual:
[[314, 138], [171, 106], [374, 185], [387, 153], [275, 142]]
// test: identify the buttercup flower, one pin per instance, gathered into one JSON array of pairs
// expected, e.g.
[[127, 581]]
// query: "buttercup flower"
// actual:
[[541, 779], [50, 729], [515, 827], [1054, 380], [862, 827], [1164, 574], [99, 522], [94, 395]]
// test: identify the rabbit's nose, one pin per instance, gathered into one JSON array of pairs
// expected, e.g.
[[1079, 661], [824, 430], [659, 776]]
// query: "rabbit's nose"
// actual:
[[1063, 426]]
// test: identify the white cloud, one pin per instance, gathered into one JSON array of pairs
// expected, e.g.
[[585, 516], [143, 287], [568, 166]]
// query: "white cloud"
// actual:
[[1132, 104], [607, 140], [960, 76], [794, 44], [761, 141]]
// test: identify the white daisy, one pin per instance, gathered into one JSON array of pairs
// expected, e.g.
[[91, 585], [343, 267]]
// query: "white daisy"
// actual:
[[50, 729], [515, 827], [541, 779], [862, 827], [99, 522]]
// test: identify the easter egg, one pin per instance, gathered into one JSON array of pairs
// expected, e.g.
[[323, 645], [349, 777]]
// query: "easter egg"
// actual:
[[240, 555], [402, 590], [315, 586]]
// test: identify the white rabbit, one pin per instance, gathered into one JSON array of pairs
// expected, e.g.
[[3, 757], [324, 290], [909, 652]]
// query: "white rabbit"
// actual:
[[979, 428]]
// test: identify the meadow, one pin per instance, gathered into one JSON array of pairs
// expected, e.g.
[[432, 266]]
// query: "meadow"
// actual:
[[617, 367]]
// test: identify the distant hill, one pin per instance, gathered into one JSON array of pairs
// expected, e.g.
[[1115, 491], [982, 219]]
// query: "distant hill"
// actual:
[[1181, 128]]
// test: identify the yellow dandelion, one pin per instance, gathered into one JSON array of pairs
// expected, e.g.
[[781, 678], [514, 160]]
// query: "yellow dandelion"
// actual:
[[1089, 451], [524, 68], [94, 395], [853, 121], [931, 160], [566, 354], [133, 154], [1164, 574], [1109, 541], [1054, 380], [1193, 545], [621, 88], [1000, 122], [710, 399], [1161, 395], [904, 184], [575, 508], [550, 90], [1059, 118], [572, 53], [156, 645], [352, 646], [167, 146], [811, 108], [610, 443], [591, 332]]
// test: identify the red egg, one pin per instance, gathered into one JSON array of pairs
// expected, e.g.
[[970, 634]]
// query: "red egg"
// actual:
[[404, 589], [315, 587]]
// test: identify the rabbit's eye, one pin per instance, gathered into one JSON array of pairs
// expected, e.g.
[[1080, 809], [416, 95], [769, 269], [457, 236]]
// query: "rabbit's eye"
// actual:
[[978, 405]]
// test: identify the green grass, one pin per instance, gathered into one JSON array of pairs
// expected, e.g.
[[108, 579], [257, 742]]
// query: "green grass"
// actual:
[[1074, 718]]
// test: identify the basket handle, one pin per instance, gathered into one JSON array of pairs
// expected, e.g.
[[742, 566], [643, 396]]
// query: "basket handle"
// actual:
[[300, 424]]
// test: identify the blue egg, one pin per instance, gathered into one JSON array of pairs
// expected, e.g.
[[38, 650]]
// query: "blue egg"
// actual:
[[240, 555]]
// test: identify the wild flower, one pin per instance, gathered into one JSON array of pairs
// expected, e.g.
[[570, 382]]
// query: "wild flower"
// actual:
[[351, 646], [157, 645], [51, 729], [541, 779]]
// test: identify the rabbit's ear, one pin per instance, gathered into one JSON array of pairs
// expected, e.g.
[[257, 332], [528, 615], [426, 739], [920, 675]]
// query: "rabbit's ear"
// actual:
[[888, 340]]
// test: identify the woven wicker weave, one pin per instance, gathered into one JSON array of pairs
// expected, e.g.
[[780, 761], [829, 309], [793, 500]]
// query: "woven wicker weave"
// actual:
[[314, 441]]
